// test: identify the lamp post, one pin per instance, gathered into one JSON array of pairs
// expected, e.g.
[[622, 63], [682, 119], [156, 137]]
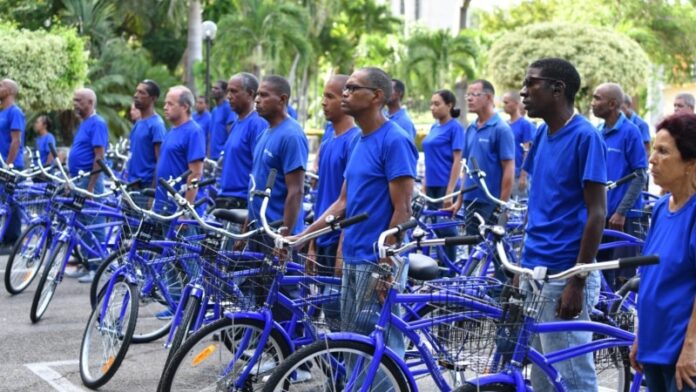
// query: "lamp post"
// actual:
[[209, 31]]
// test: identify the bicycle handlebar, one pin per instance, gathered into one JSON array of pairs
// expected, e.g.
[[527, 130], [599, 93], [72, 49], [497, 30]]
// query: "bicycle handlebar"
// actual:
[[622, 180], [509, 205]]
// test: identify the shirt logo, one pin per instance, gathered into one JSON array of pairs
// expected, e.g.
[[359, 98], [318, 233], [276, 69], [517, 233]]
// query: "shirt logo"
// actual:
[[611, 149], [267, 153], [482, 140]]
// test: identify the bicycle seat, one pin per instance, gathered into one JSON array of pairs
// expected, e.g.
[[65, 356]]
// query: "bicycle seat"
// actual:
[[235, 215], [422, 267]]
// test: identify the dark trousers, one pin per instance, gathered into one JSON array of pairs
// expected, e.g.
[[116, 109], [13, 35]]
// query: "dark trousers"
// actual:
[[617, 277], [484, 209], [660, 378], [14, 226], [436, 192]]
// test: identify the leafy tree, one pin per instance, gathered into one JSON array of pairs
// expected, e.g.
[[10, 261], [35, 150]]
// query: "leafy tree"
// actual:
[[600, 55], [92, 18]]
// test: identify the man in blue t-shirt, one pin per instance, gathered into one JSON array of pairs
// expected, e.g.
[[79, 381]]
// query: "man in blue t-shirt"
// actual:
[[239, 148], [567, 208], [523, 130], [219, 120], [11, 146], [643, 127], [202, 116], [146, 136], [283, 147], [490, 143], [383, 162], [183, 147], [89, 145], [396, 112]]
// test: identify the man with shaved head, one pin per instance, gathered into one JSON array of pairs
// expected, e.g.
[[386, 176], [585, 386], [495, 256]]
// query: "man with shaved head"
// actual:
[[89, 145], [625, 155], [11, 142], [523, 132]]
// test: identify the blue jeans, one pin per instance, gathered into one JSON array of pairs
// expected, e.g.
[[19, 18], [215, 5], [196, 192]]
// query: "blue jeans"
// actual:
[[578, 372], [326, 260], [93, 219], [660, 378], [437, 192]]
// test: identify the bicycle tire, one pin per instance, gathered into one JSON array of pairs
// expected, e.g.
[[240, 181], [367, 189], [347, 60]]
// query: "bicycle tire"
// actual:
[[102, 276], [193, 364], [497, 387], [183, 330], [118, 331], [4, 222], [46, 289], [339, 350], [23, 265]]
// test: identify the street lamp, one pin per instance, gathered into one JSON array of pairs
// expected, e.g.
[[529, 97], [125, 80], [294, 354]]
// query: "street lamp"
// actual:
[[209, 30]]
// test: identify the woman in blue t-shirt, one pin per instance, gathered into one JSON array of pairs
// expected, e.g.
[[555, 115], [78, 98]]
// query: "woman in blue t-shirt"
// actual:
[[665, 348], [443, 154], [43, 126]]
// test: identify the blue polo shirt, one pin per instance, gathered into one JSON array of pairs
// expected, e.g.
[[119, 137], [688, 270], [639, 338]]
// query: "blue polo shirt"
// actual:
[[285, 149], [401, 117], [561, 165], [667, 290], [203, 121], [439, 147], [143, 137], [643, 127], [378, 158], [625, 154], [12, 120], [42, 143], [181, 145], [218, 128], [490, 144], [523, 130], [239, 155], [91, 134], [334, 153]]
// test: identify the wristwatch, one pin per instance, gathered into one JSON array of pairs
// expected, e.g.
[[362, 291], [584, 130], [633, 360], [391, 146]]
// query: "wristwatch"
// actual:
[[385, 269]]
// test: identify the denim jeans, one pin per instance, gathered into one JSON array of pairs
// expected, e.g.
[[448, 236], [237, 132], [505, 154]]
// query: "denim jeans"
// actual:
[[516, 192], [617, 277], [326, 260], [660, 378], [437, 192], [93, 219], [579, 372]]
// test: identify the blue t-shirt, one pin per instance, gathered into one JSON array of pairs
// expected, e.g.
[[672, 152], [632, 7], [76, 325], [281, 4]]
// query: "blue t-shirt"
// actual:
[[378, 158], [523, 130], [285, 149], [239, 155], [643, 127], [42, 143], [333, 159], [625, 154], [12, 119], [439, 147], [490, 144], [561, 164], [218, 128], [181, 145], [91, 134], [143, 137], [401, 117], [292, 112], [203, 121], [667, 290]]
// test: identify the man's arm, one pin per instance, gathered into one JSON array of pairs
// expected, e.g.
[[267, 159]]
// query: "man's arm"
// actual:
[[156, 147], [293, 201], [98, 154], [337, 209], [508, 167], [14, 146], [454, 174], [400, 193], [196, 168], [618, 219]]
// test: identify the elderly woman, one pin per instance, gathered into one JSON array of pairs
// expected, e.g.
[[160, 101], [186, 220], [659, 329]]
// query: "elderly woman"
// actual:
[[665, 349]]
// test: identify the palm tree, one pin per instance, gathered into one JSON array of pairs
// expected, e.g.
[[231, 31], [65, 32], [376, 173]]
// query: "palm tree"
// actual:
[[92, 18]]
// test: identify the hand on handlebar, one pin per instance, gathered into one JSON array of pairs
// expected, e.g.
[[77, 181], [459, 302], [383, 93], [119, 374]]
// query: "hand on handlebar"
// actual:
[[452, 208]]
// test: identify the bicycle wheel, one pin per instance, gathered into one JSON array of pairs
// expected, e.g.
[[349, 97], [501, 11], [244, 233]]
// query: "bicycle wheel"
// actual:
[[106, 340], [183, 330], [26, 258], [613, 368], [486, 388], [4, 221], [103, 274], [323, 365], [48, 282], [215, 356]]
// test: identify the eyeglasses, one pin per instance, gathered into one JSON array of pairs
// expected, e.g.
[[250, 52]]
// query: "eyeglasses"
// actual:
[[351, 88], [468, 95], [529, 80]]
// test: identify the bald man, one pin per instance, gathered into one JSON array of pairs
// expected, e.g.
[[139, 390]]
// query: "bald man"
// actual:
[[11, 142], [626, 155], [89, 145], [523, 130]]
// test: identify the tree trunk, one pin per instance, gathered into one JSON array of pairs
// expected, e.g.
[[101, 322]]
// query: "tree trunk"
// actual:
[[194, 45], [464, 14], [460, 92], [303, 92]]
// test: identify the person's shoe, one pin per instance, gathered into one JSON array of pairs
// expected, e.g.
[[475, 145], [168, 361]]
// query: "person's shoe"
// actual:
[[78, 272], [166, 314], [88, 277]]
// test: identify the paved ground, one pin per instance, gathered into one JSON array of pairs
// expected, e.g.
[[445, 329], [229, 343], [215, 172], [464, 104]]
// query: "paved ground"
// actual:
[[32, 354]]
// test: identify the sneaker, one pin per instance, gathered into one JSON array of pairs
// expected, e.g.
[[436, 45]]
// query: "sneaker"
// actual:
[[166, 314], [88, 277], [78, 272]]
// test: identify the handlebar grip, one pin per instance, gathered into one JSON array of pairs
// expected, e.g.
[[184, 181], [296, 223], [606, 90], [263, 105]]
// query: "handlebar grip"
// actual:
[[468, 189], [406, 225], [167, 186], [474, 163], [463, 240], [352, 220], [638, 261], [206, 182], [52, 148], [623, 180], [271, 178], [184, 175]]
